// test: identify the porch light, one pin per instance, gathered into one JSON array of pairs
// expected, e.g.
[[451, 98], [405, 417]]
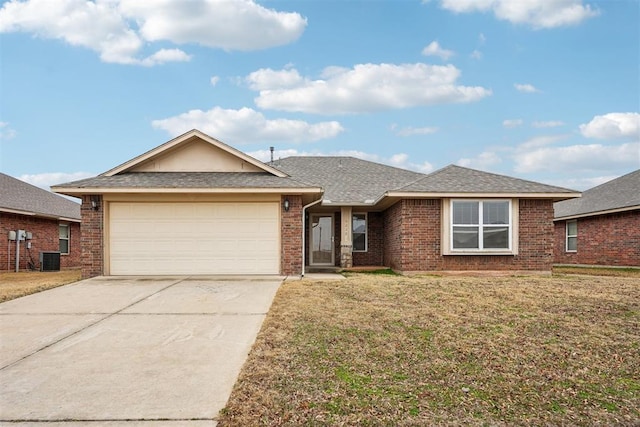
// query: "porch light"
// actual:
[[286, 205], [95, 203]]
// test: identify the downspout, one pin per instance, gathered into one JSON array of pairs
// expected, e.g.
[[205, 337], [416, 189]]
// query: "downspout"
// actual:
[[304, 224]]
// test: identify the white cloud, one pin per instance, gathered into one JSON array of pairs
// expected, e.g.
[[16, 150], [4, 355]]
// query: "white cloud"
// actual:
[[266, 78], [512, 123], [46, 180], [6, 132], [547, 124], [582, 184], [612, 125], [476, 54], [399, 160], [484, 161], [411, 131], [119, 29], [577, 158], [540, 141], [363, 88], [166, 55], [247, 125], [214, 80], [230, 25], [536, 13], [525, 88], [434, 49]]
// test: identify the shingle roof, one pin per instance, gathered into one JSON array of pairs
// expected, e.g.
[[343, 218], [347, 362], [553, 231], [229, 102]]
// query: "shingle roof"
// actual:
[[346, 179], [191, 180], [458, 179], [620, 193], [20, 196]]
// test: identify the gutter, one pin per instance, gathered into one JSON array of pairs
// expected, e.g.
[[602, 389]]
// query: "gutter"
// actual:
[[304, 224]]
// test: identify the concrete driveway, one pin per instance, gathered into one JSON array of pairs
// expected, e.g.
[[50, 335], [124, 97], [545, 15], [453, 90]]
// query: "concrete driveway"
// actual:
[[128, 351]]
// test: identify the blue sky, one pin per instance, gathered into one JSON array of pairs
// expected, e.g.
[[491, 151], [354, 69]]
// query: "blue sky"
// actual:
[[546, 90]]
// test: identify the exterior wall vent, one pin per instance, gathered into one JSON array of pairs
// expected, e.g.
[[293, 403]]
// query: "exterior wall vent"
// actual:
[[49, 261]]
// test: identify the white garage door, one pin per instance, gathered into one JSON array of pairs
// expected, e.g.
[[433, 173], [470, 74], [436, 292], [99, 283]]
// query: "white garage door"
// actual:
[[194, 238]]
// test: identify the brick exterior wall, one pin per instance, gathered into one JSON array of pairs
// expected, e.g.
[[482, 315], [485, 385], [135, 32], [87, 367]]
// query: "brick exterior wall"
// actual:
[[291, 237], [45, 233], [412, 230], [612, 239], [92, 238]]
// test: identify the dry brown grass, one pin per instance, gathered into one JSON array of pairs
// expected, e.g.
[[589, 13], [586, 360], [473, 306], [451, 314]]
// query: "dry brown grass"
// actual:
[[598, 271], [15, 285], [398, 351]]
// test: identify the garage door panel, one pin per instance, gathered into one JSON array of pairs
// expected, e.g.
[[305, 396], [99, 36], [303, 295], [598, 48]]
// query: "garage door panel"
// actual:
[[194, 238]]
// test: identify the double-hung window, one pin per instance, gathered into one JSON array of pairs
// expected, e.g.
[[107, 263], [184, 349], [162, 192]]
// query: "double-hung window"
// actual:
[[481, 226], [359, 232], [64, 238], [572, 236]]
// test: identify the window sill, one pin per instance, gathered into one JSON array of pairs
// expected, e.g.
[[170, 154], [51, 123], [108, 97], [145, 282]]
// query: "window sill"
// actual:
[[501, 253]]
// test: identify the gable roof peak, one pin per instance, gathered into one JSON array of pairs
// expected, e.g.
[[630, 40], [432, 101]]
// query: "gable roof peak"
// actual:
[[187, 138]]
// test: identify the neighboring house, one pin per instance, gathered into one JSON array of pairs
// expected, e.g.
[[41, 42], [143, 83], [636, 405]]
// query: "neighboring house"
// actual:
[[602, 227], [51, 224], [197, 206]]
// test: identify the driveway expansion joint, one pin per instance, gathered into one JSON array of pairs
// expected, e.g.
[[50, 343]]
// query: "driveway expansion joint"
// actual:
[[108, 316]]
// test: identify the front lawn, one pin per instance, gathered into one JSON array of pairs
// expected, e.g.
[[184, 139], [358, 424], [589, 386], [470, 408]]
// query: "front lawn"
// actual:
[[15, 285], [383, 350]]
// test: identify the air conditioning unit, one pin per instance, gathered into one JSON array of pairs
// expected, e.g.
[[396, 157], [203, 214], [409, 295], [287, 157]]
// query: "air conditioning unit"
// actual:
[[49, 261]]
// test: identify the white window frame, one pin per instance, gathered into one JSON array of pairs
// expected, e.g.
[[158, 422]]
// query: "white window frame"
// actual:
[[68, 238], [447, 228], [366, 232], [572, 236]]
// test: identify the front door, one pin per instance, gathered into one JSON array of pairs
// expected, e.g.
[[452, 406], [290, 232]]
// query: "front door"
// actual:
[[321, 239]]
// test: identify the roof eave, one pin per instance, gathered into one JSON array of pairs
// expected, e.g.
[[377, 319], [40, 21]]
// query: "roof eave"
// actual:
[[147, 190], [39, 215], [442, 195], [597, 213]]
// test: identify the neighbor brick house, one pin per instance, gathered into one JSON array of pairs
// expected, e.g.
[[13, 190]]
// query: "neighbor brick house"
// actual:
[[197, 206], [51, 222], [602, 227]]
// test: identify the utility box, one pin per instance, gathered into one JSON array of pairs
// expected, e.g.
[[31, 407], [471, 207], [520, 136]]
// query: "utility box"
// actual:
[[49, 261]]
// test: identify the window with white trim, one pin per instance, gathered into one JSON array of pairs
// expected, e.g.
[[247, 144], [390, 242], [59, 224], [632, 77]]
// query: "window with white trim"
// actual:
[[572, 236], [359, 232], [63, 232], [481, 226]]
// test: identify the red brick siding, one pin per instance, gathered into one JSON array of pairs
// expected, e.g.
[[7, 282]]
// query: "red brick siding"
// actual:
[[413, 232], [612, 239], [45, 235], [535, 243], [375, 242], [392, 229], [291, 237], [92, 238]]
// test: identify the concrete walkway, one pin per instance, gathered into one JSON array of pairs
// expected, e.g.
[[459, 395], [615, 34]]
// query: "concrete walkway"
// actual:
[[128, 351]]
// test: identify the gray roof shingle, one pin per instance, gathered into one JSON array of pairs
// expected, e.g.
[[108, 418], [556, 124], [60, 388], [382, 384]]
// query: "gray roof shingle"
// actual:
[[346, 179], [620, 193], [185, 180], [458, 179], [20, 196]]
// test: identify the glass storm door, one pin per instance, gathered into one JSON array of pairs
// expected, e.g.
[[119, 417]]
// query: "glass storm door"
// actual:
[[321, 239]]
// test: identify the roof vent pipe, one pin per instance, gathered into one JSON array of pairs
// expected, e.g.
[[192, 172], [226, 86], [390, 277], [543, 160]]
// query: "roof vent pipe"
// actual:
[[271, 149]]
